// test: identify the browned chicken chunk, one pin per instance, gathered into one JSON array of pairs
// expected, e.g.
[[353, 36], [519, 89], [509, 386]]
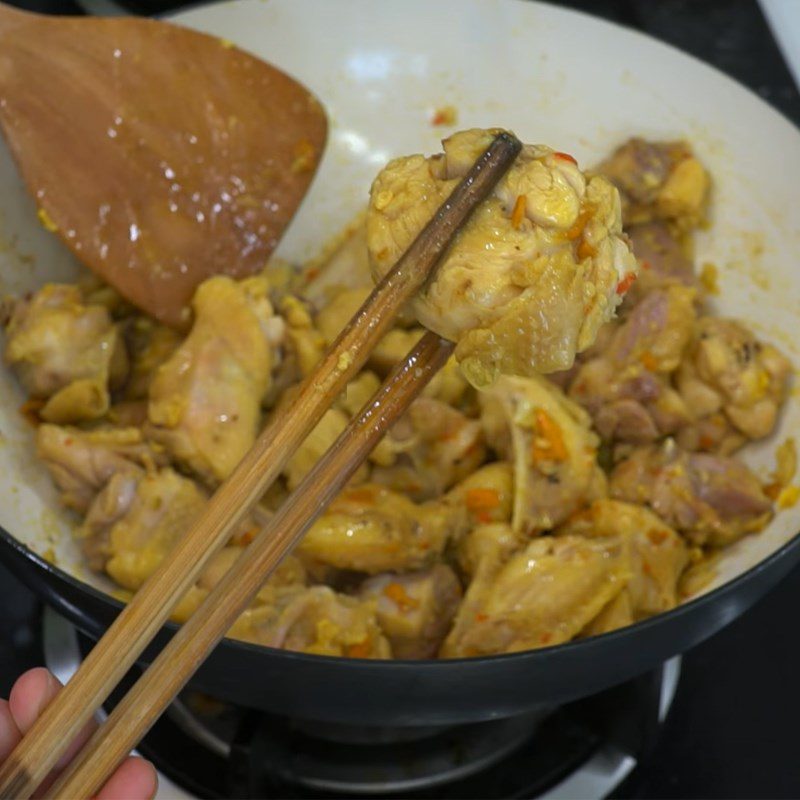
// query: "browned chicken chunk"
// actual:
[[730, 376], [136, 520], [81, 462], [65, 353], [712, 499], [658, 554], [415, 610], [543, 595], [626, 388], [371, 529], [658, 180], [538, 268], [315, 620], [432, 447], [205, 401]]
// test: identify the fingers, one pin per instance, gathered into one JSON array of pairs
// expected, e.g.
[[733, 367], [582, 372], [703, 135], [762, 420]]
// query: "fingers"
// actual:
[[9, 732], [31, 693], [135, 779]]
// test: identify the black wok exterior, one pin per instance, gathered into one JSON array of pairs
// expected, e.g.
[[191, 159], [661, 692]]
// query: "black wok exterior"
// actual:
[[421, 692]]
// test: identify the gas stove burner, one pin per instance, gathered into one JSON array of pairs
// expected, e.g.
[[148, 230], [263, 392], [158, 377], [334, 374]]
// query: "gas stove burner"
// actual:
[[393, 763], [204, 747]]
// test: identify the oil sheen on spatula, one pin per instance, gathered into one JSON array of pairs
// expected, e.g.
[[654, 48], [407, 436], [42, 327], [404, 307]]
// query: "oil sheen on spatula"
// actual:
[[158, 154]]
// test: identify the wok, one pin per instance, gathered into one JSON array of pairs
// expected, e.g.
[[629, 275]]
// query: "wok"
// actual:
[[553, 76]]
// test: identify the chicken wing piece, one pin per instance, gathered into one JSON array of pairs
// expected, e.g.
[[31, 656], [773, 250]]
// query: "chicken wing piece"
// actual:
[[730, 376], [626, 388], [554, 450], [371, 529], [658, 180], [136, 520], [429, 449], [658, 554], [543, 595], [415, 610], [540, 266], [82, 461], [205, 401], [713, 500], [315, 620], [65, 352]]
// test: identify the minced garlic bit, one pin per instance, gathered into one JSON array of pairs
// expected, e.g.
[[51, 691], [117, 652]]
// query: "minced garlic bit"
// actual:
[[788, 497], [47, 221], [304, 156], [708, 278]]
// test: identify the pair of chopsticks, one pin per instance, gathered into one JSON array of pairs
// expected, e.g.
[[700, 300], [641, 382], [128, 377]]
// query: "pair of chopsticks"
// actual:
[[143, 617]]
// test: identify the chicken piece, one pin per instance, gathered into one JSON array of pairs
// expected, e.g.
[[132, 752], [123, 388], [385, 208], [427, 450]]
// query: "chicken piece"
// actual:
[[136, 520], [626, 388], [713, 500], [657, 332], [393, 348], [539, 267], [658, 554], [150, 344], [205, 401], [358, 391], [487, 494], [433, 446], [334, 315], [486, 547], [371, 529], [65, 352], [96, 292], [662, 258], [543, 595], [617, 613], [315, 620], [658, 180], [415, 610], [449, 385], [340, 265], [324, 434], [289, 573], [128, 414], [304, 343], [554, 450], [728, 371], [355, 397], [81, 462]]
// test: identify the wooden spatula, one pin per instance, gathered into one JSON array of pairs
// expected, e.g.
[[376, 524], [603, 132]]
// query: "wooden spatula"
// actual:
[[158, 154]]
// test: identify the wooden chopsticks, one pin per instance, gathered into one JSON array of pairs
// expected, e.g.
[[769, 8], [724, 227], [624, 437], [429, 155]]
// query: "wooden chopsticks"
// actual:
[[150, 608]]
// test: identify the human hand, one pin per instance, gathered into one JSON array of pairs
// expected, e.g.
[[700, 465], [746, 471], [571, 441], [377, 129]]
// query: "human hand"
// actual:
[[135, 779]]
